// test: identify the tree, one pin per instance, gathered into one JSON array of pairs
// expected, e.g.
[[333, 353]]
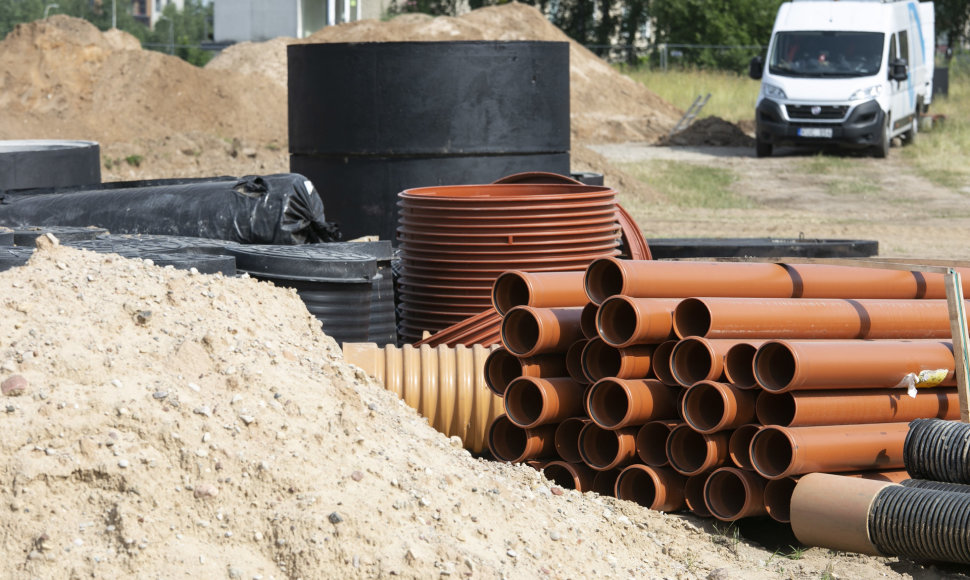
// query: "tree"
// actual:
[[728, 23], [952, 17], [189, 29]]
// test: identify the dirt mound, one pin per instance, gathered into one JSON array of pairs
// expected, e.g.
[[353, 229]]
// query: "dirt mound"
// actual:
[[712, 132], [63, 78], [179, 424], [255, 58]]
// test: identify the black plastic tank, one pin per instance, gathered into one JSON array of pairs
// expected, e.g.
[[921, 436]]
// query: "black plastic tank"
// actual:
[[335, 285], [43, 163], [369, 120]]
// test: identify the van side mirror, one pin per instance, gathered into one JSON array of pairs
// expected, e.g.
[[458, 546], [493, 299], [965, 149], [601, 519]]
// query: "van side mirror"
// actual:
[[898, 70], [756, 68]]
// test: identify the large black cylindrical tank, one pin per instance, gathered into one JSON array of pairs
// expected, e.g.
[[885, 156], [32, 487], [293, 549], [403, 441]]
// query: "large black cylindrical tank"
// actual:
[[369, 120]]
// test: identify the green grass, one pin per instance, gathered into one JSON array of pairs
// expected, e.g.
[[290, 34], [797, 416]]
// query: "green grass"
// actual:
[[689, 185], [940, 154], [732, 95]]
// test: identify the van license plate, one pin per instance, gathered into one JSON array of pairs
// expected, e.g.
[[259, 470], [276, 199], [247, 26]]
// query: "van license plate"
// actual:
[[823, 132]]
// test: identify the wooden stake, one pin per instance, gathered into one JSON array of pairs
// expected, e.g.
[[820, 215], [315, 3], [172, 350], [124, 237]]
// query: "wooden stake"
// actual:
[[958, 328]]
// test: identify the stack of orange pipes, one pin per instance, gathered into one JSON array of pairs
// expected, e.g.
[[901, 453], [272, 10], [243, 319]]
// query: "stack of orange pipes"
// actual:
[[714, 386]]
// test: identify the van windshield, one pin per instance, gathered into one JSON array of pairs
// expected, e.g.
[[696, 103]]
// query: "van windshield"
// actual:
[[826, 54]]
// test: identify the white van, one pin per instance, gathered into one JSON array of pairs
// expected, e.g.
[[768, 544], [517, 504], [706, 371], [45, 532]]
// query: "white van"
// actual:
[[853, 74]]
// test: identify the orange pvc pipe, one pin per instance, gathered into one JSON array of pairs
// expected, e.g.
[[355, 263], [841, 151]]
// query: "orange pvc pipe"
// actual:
[[570, 475], [511, 443], [617, 403], [824, 281], [739, 365], [739, 445], [604, 483], [574, 362], [601, 360], [731, 494], [778, 452], [623, 321], [652, 441], [607, 277], [538, 289], [777, 498], [567, 439], [528, 331], [800, 318], [587, 320], [691, 453], [807, 408], [604, 449], [694, 494], [503, 367], [660, 363], [696, 359], [709, 406], [534, 401], [781, 366], [656, 488]]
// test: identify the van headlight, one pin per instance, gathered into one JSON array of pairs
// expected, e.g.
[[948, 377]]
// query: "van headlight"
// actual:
[[773, 92], [866, 93]]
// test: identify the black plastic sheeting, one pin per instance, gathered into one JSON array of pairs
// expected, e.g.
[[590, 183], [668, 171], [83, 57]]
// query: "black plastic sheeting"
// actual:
[[273, 209], [184, 253], [938, 450], [7, 237], [335, 283], [922, 524], [27, 235], [12, 257]]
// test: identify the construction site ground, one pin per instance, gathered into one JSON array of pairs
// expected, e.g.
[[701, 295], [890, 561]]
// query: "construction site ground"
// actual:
[[220, 435], [864, 198]]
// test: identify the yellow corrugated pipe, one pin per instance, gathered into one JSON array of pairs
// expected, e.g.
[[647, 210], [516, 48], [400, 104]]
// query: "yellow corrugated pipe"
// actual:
[[445, 384]]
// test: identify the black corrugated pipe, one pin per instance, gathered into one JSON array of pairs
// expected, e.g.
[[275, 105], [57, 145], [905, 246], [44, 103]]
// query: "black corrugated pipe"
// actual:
[[937, 485], [922, 524], [938, 450]]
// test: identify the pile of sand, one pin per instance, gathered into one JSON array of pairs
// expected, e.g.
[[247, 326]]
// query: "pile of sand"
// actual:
[[63, 78], [175, 424]]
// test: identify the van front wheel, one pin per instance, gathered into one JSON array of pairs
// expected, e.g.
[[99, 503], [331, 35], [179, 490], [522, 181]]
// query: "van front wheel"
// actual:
[[882, 147], [762, 148]]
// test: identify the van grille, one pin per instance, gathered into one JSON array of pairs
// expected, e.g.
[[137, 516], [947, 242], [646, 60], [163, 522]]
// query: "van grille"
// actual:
[[825, 112]]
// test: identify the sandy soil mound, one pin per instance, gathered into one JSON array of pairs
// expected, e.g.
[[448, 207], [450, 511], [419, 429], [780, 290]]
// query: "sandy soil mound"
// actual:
[[174, 424], [63, 78], [710, 131]]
